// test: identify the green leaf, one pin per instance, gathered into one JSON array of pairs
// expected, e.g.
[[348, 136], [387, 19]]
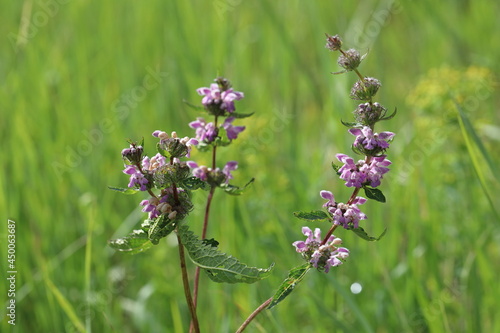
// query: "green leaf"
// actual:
[[374, 193], [219, 142], [241, 115], [390, 116], [316, 215], [236, 190], [295, 276], [124, 190], [193, 183], [161, 227], [136, 242], [204, 147], [362, 233], [162, 151], [349, 124], [479, 156], [336, 168], [196, 107], [219, 266]]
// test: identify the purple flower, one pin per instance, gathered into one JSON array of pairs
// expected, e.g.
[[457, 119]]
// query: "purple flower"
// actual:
[[214, 177], [214, 95], [136, 177], [230, 166], [376, 169], [320, 256], [155, 163], [204, 131], [363, 173], [232, 131], [368, 140], [152, 204], [200, 172], [343, 214], [350, 172]]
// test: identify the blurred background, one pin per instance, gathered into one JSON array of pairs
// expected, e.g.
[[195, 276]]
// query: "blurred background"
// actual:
[[80, 77]]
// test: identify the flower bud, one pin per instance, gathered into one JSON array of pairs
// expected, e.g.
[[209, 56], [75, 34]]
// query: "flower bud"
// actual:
[[333, 43], [366, 89], [133, 154], [174, 147], [369, 113], [349, 60], [223, 83], [216, 177], [172, 215]]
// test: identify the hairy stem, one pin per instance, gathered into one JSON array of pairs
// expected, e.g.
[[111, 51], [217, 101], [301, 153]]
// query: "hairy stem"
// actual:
[[253, 315], [187, 290]]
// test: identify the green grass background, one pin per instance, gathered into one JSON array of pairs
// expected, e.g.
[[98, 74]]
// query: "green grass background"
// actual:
[[436, 270]]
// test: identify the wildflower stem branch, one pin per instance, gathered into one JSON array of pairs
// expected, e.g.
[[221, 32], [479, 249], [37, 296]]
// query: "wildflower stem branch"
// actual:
[[254, 314], [187, 289]]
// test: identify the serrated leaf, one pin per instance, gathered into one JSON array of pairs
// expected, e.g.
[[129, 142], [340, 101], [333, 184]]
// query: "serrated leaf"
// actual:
[[135, 242], [241, 115], [295, 276], [219, 266], [161, 227], [362, 233], [124, 190], [316, 215], [193, 183], [374, 193], [236, 190], [191, 105]]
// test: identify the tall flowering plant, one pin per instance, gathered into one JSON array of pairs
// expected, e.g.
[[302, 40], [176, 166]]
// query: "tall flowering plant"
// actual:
[[363, 173], [169, 177]]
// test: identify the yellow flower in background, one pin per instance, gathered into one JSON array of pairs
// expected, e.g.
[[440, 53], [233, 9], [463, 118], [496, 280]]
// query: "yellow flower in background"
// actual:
[[440, 88]]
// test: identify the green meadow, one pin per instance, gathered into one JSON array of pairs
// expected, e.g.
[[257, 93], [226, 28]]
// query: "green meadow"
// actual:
[[81, 77]]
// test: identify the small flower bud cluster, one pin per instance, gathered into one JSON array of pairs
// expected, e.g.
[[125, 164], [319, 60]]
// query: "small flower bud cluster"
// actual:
[[321, 256]]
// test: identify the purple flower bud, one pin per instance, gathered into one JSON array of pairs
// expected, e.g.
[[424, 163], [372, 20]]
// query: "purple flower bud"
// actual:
[[333, 43]]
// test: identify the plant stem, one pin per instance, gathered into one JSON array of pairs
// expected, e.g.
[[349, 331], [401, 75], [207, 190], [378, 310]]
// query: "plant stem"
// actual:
[[203, 236], [253, 315], [204, 231], [187, 291]]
